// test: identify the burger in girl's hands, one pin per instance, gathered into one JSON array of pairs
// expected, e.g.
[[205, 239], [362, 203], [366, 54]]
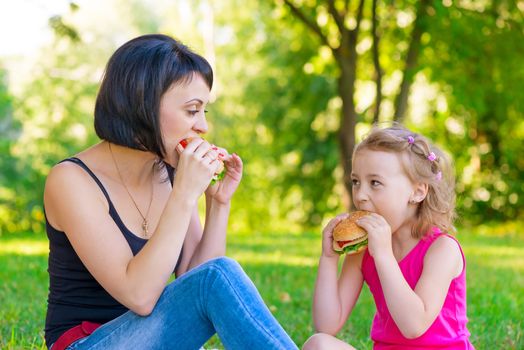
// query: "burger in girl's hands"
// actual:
[[348, 237], [222, 155]]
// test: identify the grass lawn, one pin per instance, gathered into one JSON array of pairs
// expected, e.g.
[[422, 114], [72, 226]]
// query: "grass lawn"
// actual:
[[283, 267]]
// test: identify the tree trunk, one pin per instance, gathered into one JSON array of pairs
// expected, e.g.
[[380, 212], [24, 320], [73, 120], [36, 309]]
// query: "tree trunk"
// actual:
[[346, 57], [410, 68], [346, 133], [376, 62], [347, 61]]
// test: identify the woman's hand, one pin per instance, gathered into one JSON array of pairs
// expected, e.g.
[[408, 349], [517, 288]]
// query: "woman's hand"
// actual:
[[223, 190], [195, 169], [327, 236], [379, 234]]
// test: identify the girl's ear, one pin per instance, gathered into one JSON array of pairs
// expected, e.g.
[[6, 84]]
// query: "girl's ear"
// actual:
[[420, 191]]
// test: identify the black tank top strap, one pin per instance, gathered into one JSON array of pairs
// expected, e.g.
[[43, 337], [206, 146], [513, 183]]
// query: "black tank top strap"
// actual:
[[79, 162], [135, 242]]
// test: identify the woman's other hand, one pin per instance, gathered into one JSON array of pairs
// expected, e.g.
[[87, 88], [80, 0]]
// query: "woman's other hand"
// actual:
[[223, 190]]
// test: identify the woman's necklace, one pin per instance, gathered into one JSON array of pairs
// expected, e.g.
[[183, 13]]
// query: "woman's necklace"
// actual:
[[145, 223]]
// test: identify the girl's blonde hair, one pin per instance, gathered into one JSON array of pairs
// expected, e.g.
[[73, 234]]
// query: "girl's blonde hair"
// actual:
[[423, 163]]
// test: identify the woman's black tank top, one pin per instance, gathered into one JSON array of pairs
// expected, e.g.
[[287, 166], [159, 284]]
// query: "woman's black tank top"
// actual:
[[74, 294]]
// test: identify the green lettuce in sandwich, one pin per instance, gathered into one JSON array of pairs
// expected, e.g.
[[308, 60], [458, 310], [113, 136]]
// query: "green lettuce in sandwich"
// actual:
[[348, 237]]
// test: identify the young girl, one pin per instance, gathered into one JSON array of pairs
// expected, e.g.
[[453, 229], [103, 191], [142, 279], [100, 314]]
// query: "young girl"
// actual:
[[415, 271]]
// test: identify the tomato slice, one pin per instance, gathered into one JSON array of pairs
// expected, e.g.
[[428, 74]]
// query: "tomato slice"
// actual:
[[341, 243]]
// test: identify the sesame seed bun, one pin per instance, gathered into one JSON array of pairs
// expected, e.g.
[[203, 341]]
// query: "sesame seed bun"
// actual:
[[348, 237]]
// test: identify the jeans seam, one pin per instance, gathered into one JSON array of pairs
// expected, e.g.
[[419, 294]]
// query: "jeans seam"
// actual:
[[202, 304]]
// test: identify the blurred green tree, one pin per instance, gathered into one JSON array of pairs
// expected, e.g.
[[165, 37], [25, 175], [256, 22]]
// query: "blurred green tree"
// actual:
[[475, 54], [297, 83], [348, 30], [9, 131], [52, 116], [462, 54]]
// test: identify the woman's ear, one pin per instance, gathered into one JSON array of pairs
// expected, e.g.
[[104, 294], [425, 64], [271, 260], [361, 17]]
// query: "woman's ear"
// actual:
[[420, 191]]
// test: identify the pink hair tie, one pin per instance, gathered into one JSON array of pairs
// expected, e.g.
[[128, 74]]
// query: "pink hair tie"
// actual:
[[432, 157], [438, 177], [411, 140]]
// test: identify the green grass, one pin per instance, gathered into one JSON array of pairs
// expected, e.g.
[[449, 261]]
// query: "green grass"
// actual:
[[283, 267]]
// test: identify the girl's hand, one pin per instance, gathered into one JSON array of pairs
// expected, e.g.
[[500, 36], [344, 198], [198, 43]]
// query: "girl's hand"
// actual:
[[223, 190], [379, 234], [327, 236], [195, 169]]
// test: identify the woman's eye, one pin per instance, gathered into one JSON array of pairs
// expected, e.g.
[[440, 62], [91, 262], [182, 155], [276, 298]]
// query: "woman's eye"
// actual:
[[195, 112]]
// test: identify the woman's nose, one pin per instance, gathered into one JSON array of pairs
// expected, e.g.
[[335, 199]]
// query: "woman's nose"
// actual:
[[201, 125]]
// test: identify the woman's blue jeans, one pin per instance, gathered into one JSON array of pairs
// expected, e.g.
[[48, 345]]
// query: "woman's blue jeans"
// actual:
[[216, 297]]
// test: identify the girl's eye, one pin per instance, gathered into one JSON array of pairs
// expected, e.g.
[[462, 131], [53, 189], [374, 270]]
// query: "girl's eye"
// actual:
[[354, 182], [375, 183]]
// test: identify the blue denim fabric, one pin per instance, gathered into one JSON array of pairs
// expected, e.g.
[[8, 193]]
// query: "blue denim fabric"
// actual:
[[214, 297]]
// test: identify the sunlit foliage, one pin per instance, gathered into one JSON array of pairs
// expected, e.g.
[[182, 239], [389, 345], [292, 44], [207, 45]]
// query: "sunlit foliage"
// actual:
[[277, 103]]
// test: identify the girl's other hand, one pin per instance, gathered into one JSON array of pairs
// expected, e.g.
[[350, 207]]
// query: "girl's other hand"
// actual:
[[223, 190], [379, 234], [327, 236]]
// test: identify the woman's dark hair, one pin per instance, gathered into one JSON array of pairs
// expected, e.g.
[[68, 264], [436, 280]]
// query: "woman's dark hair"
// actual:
[[136, 77]]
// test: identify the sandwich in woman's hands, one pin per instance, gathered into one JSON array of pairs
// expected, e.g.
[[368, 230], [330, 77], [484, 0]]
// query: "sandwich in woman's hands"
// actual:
[[348, 237], [222, 155]]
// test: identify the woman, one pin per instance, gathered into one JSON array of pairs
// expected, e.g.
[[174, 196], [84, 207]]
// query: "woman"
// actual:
[[119, 223]]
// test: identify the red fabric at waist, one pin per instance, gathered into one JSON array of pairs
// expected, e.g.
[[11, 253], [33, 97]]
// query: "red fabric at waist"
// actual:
[[73, 334]]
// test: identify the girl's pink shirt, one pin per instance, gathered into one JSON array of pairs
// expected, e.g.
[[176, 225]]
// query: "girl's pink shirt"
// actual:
[[449, 330]]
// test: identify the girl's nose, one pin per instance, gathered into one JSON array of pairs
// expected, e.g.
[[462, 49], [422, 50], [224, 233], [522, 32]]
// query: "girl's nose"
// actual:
[[360, 196]]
